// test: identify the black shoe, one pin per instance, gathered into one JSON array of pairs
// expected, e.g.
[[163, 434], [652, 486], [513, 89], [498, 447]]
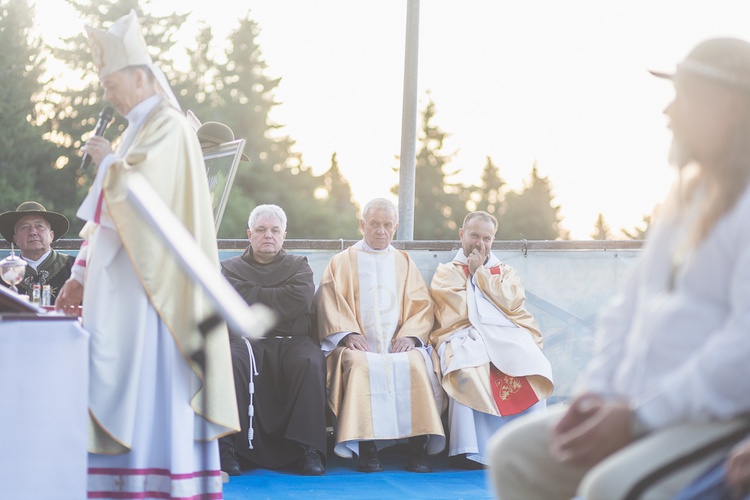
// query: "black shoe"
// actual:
[[417, 462], [416, 458], [227, 457], [311, 463], [368, 457], [461, 462]]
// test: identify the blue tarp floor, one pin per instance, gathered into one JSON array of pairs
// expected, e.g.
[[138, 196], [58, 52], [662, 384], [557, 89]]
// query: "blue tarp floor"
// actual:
[[342, 481]]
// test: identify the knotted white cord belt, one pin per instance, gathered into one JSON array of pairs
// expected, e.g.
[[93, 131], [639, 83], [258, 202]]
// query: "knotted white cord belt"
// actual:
[[251, 391]]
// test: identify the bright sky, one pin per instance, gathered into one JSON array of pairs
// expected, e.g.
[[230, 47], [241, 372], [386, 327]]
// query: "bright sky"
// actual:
[[562, 84]]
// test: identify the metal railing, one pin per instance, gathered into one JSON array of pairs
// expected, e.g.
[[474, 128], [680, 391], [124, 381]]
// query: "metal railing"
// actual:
[[566, 282]]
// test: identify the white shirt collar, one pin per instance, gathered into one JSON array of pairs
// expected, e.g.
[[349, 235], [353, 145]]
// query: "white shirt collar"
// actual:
[[362, 244], [141, 110], [35, 263]]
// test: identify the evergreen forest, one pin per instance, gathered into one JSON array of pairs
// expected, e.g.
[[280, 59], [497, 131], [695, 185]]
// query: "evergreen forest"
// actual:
[[45, 119]]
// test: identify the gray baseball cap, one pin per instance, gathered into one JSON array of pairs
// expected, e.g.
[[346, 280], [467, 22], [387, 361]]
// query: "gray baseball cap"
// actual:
[[722, 60]]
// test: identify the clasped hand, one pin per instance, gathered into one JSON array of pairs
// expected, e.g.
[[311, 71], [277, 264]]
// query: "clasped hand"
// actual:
[[592, 429], [359, 343]]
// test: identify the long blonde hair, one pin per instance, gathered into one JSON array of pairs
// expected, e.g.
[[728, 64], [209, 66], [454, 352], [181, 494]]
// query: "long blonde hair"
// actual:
[[721, 184]]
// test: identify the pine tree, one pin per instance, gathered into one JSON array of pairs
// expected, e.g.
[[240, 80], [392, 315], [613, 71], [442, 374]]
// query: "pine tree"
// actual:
[[639, 232], [530, 214], [73, 98], [601, 229], [275, 174], [439, 206], [339, 203], [488, 196], [244, 99], [196, 87], [26, 159]]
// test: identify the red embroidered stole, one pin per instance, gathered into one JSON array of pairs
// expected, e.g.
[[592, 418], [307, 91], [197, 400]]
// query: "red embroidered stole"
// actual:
[[512, 394]]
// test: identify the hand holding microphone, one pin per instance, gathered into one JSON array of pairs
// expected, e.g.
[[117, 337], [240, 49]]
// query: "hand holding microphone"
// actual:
[[96, 142]]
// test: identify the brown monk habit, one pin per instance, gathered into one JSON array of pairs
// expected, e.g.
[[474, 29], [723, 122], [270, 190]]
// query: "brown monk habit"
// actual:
[[289, 395]]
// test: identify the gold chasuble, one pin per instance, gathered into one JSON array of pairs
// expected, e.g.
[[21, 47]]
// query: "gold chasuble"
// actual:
[[174, 167], [378, 395], [487, 345]]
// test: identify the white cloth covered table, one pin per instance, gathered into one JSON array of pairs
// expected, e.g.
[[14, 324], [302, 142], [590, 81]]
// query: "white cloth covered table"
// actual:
[[43, 408]]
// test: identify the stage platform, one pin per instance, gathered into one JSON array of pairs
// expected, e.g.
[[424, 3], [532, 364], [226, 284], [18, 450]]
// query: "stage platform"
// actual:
[[342, 481]]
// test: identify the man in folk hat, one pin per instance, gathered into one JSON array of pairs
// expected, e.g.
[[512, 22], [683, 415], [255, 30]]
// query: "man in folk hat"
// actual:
[[155, 412], [33, 229], [666, 393]]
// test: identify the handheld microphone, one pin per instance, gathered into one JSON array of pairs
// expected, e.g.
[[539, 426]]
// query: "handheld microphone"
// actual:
[[101, 125]]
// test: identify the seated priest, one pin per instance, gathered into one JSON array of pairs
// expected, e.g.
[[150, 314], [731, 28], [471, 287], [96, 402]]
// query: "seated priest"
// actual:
[[279, 379], [374, 319], [487, 344], [33, 229]]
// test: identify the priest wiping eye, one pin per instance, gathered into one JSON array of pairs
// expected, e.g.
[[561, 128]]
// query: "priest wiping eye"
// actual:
[[488, 347]]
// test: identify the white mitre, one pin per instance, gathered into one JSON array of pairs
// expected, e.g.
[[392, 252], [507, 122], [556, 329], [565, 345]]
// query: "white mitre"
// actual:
[[121, 46]]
